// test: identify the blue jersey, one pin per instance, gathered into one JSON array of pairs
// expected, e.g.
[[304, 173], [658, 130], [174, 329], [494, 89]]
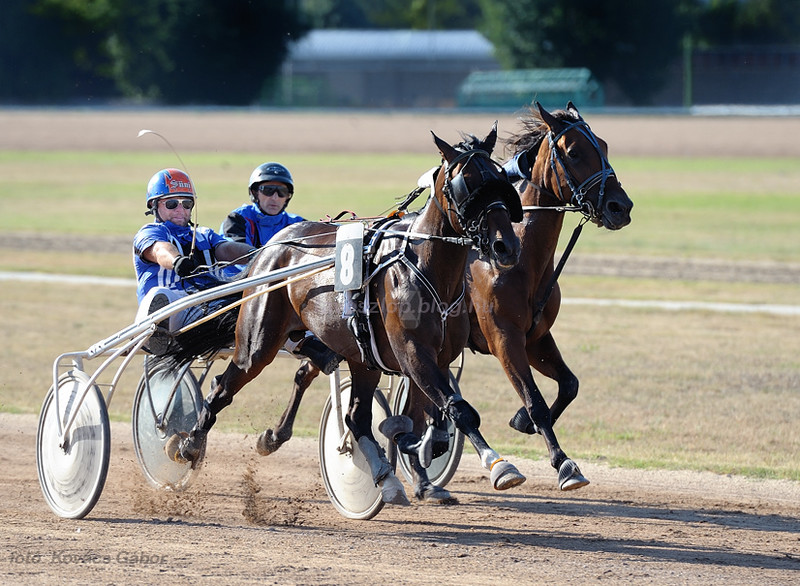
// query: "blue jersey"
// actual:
[[250, 225], [150, 274]]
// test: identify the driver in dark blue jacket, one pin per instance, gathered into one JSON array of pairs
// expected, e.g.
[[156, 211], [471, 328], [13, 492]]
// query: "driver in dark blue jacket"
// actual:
[[271, 188]]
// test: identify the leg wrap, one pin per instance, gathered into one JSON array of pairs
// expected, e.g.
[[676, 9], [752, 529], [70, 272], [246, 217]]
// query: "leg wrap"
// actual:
[[378, 464], [462, 413]]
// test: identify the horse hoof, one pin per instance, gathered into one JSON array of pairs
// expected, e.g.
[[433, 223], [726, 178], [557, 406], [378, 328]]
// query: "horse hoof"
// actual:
[[436, 495], [266, 444], [570, 477], [173, 448], [505, 475], [392, 491], [395, 425]]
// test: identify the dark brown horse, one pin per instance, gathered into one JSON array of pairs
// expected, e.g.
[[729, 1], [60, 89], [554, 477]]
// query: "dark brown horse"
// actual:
[[413, 300], [564, 167]]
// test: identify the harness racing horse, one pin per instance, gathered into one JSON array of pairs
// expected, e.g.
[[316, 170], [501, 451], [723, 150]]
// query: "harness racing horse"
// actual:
[[564, 167], [413, 302]]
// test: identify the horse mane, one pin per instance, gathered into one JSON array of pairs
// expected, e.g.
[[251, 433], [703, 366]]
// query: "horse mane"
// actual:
[[469, 142], [534, 130]]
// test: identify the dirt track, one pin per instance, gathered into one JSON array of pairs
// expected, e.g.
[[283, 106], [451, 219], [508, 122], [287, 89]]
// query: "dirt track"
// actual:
[[627, 526], [250, 519]]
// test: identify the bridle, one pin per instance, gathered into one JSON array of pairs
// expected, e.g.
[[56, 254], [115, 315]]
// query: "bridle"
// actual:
[[462, 201], [578, 201]]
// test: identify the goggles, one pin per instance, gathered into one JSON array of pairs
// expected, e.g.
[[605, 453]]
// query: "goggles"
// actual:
[[171, 204], [280, 190]]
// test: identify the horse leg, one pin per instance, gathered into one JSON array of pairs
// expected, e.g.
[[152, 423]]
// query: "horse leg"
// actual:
[[359, 422], [545, 357], [538, 415], [405, 431], [270, 440], [435, 383], [188, 447], [504, 475]]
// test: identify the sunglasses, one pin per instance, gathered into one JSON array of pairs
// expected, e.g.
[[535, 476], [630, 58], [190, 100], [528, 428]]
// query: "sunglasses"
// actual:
[[268, 190], [171, 204]]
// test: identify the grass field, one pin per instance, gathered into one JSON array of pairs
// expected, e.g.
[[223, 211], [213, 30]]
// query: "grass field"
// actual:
[[698, 390]]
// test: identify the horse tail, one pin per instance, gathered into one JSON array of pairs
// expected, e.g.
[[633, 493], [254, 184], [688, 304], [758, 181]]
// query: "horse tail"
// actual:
[[203, 341]]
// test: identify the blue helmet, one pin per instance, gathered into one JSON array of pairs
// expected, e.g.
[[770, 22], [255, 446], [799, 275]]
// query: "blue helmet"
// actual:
[[169, 182], [270, 172]]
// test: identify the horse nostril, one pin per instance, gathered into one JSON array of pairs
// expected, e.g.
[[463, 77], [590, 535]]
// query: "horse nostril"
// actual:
[[499, 248], [504, 255]]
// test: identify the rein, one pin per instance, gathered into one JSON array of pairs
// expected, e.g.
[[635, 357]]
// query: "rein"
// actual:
[[578, 201], [537, 316]]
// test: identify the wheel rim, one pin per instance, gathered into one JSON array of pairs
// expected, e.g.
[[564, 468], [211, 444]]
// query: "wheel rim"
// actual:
[[347, 477], [73, 478], [179, 416]]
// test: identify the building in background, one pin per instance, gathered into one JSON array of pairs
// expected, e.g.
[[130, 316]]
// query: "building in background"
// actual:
[[457, 68], [383, 68]]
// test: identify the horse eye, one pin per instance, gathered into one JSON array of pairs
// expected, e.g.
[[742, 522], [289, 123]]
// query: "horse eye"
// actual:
[[573, 154]]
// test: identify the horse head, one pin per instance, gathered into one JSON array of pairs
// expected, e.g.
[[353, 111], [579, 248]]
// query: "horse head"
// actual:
[[480, 201], [572, 164]]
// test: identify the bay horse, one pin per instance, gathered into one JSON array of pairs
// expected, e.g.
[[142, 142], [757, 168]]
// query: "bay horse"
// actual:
[[562, 166], [414, 303]]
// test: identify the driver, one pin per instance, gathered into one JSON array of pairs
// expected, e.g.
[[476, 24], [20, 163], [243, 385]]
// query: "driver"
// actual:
[[167, 252], [271, 187]]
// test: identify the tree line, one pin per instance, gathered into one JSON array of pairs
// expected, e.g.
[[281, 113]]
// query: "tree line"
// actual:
[[229, 52]]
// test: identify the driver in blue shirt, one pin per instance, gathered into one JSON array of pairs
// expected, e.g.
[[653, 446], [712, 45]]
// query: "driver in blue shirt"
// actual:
[[271, 187], [172, 256]]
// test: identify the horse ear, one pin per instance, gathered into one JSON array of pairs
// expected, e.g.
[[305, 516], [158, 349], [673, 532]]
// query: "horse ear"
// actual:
[[551, 121], [447, 151], [574, 110], [491, 139]]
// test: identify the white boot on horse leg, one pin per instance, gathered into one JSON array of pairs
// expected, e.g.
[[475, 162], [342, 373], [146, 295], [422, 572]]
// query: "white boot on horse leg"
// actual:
[[504, 474], [392, 491]]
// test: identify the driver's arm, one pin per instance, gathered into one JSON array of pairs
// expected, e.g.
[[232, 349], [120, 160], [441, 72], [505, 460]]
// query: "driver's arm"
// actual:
[[233, 251], [161, 253]]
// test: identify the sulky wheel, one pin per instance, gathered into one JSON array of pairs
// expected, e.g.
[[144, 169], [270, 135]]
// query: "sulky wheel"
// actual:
[[166, 404], [347, 476], [72, 469]]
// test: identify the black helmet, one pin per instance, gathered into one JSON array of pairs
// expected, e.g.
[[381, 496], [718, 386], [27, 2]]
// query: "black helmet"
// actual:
[[270, 172]]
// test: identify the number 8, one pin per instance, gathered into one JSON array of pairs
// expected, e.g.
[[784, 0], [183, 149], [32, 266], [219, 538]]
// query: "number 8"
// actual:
[[346, 263]]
